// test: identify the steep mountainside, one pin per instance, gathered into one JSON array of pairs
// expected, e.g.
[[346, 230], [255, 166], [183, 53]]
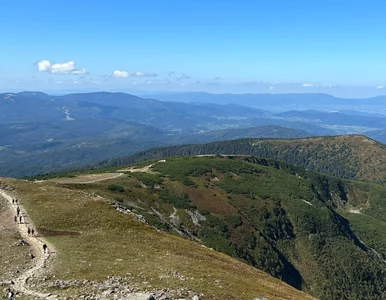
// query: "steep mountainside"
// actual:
[[312, 231], [349, 157], [100, 251]]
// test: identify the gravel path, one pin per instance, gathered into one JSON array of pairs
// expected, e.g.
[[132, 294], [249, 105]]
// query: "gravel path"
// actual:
[[40, 261]]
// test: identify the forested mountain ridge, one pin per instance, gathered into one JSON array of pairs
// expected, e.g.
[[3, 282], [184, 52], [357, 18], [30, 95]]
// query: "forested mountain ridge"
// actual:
[[308, 229], [350, 157]]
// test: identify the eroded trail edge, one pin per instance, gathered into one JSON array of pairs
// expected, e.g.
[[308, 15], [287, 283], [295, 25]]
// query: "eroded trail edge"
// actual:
[[39, 262]]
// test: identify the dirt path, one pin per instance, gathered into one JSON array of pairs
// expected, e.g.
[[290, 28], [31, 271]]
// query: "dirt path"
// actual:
[[145, 169], [40, 261], [89, 178]]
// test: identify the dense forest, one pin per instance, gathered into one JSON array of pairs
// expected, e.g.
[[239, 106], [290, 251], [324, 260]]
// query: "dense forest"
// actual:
[[347, 157]]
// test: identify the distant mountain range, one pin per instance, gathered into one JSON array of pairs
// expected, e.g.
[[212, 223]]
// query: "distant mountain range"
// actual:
[[279, 102], [42, 133]]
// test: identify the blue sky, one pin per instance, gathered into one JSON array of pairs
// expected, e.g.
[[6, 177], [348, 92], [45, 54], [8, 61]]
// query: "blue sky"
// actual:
[[218, 46]]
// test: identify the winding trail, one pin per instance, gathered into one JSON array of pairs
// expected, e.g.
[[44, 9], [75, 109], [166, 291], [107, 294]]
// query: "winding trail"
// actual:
[[40, 261]]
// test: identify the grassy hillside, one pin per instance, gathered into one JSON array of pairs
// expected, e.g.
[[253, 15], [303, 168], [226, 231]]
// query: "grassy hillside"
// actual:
[[99, 249], [294, 224], [348, 157]]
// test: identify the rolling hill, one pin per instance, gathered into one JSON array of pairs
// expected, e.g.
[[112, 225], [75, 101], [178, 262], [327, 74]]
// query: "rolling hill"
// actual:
[[317, 233], [350, 157], [41, 133], [98, 251]]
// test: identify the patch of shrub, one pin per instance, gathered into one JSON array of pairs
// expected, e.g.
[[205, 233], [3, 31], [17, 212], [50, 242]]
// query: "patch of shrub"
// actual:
[[116, 188]]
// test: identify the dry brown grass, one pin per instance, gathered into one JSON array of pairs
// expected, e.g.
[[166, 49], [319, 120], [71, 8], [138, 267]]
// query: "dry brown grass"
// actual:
[[108, 242]]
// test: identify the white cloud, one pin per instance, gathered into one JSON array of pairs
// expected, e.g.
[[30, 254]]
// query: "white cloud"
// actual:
[[307, 85], [124, 74], [79, 71], [380, 87], [43, 65], [120, 74], [59, 68]]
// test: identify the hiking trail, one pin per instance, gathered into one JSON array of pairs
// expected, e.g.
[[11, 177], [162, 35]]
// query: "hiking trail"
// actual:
[[39, 262]]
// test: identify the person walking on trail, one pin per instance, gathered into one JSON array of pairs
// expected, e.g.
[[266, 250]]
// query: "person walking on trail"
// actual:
[[13, 201], [15, 219], [32, 232], [18, 210], [10, 294], [20, 219], [29, 231], [44, 247]]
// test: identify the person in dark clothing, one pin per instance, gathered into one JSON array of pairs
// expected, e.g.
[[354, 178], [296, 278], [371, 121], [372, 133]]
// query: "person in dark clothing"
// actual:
[[13, 201], [44, 247], [10, 294], [32, 232], [15, 219], [20, 219], [18, 210], [29, 231]]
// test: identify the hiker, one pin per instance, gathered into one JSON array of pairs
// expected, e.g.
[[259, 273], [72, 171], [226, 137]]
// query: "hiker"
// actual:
[[17, 200], [15, 219], [18, 210], [13, 201], [44, 247], [29, 231], [10, 294], [32, 232], [20, 218], [32, 256]]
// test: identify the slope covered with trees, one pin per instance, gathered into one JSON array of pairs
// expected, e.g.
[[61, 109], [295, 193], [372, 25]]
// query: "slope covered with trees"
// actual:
[[295, 224], [349, 157]]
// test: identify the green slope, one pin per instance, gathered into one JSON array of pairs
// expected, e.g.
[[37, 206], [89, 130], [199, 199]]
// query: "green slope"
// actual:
[[292, 223], [349, 157], [97, 252]]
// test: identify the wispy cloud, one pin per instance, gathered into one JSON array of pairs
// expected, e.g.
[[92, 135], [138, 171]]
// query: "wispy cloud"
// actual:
[[184, 77], [380, 87], [59, 68], [120, 74], [307, 85], [125, 74]]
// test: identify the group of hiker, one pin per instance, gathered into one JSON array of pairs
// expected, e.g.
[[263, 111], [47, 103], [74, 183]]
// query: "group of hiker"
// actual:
[[31, 233], [18, 213], [19, 217]]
